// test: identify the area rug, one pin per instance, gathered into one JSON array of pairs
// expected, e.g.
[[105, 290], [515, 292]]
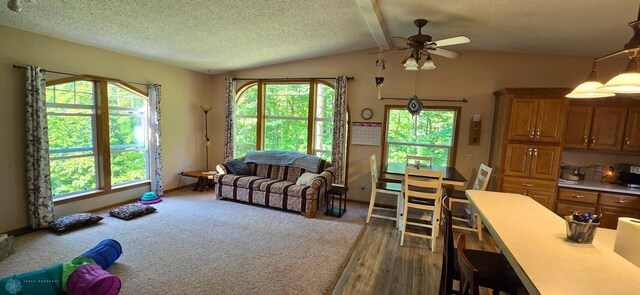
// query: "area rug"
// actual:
[[195, 244]]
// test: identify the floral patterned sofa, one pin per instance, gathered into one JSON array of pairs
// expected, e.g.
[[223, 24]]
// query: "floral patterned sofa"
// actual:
[[275, 186]]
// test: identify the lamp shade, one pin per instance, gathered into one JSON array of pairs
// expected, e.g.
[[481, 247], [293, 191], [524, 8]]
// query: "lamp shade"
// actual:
[[411, 63], [428, 64], [205, 107], [628, 82], [589, 89]]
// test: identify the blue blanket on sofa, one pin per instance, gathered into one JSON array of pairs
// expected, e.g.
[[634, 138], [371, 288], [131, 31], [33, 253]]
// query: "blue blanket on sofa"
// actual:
[[284, 158]]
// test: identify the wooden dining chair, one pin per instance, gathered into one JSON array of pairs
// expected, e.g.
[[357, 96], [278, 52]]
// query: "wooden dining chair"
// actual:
[[495, 272], [379, 186], [422, 191], [424, 161], [469, 277], [458, 196]]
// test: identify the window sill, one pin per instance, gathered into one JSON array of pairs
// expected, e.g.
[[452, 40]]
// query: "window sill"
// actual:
[[97, 193]]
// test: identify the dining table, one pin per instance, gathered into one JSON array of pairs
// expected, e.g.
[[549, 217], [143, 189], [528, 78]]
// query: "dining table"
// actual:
[[534, 241], [450, 176]]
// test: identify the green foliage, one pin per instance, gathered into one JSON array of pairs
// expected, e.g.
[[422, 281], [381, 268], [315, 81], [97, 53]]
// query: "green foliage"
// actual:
[[286, 112], [71, 136], [429, 134]]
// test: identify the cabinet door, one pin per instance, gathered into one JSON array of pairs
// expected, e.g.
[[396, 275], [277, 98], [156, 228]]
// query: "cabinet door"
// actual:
[[522, 120], [518, 160], [545, 162], [632, 132], [576, 132], [543, 191], [607, 129], [550, 119], [610, 215]]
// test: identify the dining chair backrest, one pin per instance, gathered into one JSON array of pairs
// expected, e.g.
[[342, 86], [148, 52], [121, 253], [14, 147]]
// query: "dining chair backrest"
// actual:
[[374, 171], [482, 179], [423, 184], [447, 274], [469, 276], [424, 161]]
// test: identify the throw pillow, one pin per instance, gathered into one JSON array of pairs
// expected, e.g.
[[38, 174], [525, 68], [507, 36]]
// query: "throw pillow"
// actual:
[[306, 178], [74, 221], [221, 169], [237, 167], [131, 211]]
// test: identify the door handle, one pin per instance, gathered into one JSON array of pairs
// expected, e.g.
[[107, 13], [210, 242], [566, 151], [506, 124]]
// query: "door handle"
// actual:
[[620, 201], [533, 133], [530, 152], [578, 196], [627, 142], [538, 132], [593, 140], [535, 152], [585, 140], [527, 184]]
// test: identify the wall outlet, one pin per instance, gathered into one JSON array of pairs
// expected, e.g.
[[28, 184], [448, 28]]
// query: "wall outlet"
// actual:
[[362, 187]]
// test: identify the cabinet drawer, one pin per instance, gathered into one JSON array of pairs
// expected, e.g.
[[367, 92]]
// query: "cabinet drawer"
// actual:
[[578, 196], [565, 209], [528, 183], [610, 215], [622, 201]]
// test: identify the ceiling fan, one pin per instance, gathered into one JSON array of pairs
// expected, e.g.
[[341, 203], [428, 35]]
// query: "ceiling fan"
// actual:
[[423, 45]]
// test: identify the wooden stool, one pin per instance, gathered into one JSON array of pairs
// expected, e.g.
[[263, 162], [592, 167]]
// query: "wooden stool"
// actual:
[[340, 192]]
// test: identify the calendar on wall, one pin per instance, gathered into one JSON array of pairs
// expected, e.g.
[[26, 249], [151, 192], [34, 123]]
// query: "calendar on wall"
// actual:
[[366, 133]]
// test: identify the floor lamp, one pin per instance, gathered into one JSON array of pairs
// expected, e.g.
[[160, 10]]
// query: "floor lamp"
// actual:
[[206, 108]]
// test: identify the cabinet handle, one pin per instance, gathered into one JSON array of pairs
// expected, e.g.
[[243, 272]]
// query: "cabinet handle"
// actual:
[[527, 184], [530, 152], [578, 196], [593, 140], [585, 140], [627, 142], [538, 132], [533, 133], [620, 201], [535, 152]]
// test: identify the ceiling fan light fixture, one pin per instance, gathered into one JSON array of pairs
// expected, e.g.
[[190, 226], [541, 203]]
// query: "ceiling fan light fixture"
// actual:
[[626, 82], [14, 5], [428, 64], [590, 88], [410, 64]]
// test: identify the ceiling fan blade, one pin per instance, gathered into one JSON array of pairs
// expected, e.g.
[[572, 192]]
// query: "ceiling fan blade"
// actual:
[[452, 41], [396, 49], [403, 39], [445, 53]]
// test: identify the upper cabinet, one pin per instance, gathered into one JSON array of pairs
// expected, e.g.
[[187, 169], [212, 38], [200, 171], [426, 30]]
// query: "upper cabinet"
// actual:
[[599, 126], [537, 119]]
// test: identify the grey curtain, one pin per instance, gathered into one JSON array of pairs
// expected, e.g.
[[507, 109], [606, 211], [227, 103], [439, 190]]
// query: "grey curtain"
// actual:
[[229, 139], [339, 145], [40, 200], [155, 148]]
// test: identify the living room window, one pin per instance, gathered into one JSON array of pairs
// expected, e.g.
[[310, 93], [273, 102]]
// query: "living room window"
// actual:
[[77, 114], [295, 116], [433, 133]]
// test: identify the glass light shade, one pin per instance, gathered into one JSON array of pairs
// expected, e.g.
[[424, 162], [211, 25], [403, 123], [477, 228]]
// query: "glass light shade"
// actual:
[[14, 5], [411, 68], [628, 82], [411, 63], [428, 64], [205, 107], [589, 89]]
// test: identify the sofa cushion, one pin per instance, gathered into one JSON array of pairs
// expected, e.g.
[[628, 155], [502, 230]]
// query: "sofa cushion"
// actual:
[[283, 187], [290, 173], [237, 167], [243, 181], [264, 170]]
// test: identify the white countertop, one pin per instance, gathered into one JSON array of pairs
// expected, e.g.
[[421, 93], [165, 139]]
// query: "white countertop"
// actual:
[[533, 239], [601, 186]]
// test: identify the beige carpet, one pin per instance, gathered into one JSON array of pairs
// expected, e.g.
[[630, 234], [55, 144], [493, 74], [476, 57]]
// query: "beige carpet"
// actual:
[[195, 244]]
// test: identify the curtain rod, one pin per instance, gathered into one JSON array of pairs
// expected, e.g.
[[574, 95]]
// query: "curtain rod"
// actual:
[[287, 78], [464, 100], [78, 75]]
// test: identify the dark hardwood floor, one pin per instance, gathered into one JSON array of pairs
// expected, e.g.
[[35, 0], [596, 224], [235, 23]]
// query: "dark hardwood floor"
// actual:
[[378, 265]]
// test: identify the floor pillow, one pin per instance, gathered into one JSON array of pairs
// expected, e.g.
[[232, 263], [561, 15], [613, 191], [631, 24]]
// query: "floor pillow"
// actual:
[[74, 221], [131, 211]]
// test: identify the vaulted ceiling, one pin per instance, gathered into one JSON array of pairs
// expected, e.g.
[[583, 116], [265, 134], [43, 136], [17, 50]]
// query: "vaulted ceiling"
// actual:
[[226, 35]]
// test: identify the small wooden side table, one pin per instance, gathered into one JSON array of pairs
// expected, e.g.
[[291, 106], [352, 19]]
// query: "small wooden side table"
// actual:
[[340, 192], [205, 179]]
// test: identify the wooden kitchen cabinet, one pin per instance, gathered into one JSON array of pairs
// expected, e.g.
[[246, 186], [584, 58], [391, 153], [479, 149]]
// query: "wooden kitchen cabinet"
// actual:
[[564, 209], [611, 205], [607, 129], [539, 120], [632, 131], [610, 215], [578, 126], [533, 161], [543, 191]]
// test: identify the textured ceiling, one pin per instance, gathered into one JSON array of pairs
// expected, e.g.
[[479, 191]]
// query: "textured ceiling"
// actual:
[[226, 35]]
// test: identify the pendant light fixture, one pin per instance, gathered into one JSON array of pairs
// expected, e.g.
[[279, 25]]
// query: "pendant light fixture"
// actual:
[[14, 5], [626, 82], [590, 88]]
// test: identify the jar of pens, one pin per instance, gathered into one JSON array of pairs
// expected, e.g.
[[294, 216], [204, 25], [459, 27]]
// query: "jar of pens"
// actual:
[[581, 227]]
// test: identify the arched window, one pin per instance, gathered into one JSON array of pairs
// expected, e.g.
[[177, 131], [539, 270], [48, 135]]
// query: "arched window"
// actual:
[[98, 135], [295, 116]]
